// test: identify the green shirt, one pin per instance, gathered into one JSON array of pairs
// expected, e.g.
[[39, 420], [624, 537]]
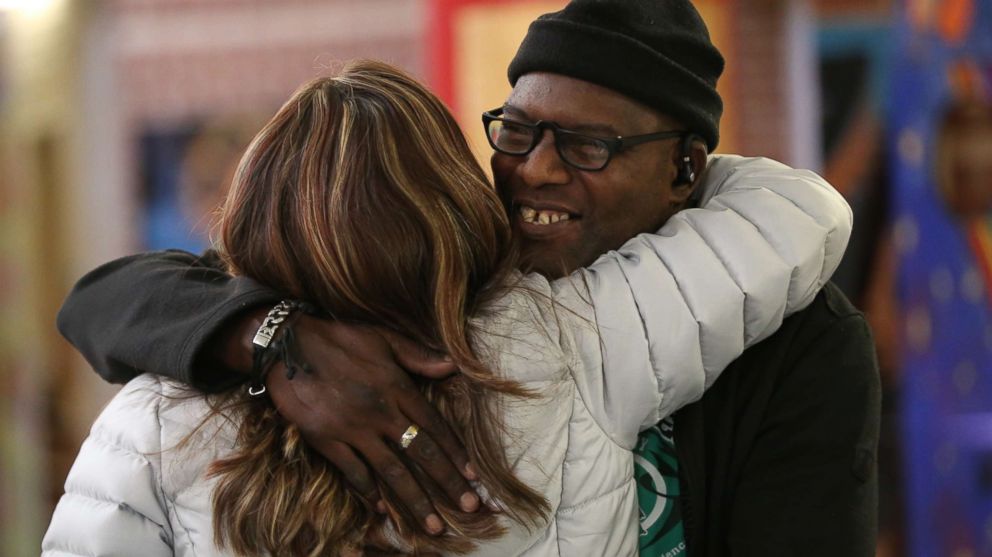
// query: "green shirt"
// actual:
[[656, 469]]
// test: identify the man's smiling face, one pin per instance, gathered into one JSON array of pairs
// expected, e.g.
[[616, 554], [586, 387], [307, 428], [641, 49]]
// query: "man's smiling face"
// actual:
[[565, 217]]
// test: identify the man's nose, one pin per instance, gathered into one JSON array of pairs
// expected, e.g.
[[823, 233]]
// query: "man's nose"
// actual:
[[543, 166]]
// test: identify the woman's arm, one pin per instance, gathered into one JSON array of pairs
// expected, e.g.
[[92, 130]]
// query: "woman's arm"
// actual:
[[669, 311]]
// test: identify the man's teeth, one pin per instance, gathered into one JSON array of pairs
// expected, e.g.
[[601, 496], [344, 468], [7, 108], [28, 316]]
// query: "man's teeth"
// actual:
[[534, 216]]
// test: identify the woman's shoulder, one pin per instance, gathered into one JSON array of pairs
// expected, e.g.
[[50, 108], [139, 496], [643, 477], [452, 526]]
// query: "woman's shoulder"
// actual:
[[519, 331], [153, 414], [131, 479], [130, 420]]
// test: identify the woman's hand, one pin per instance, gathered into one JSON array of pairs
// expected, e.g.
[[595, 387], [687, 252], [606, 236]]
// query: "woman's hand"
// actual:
[[356, 403]]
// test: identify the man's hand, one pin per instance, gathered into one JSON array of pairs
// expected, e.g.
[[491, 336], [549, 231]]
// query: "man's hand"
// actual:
[[357, 401]]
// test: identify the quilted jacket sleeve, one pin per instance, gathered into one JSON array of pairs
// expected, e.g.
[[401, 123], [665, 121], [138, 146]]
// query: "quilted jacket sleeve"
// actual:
[[113, 504], [669, 311]]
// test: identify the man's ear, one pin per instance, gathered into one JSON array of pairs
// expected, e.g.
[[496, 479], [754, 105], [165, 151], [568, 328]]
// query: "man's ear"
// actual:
[[691, 157]]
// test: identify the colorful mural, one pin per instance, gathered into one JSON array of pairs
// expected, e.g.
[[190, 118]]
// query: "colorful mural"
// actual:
[[940, 121]]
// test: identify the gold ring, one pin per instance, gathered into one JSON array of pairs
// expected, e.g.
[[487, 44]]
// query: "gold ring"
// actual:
[[408, 436]]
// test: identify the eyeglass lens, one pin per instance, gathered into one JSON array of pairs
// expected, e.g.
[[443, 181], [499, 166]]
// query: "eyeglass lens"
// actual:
[[582, 151]]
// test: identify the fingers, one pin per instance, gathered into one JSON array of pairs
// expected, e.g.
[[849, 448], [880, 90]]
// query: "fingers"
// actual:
[[416, 358], [425, 451], [416, 407], [352, 468], [396, 475], [357, 402], [410, 354]]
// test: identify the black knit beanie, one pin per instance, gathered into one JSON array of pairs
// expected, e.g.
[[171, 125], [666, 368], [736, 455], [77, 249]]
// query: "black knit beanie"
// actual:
[[657, 52]]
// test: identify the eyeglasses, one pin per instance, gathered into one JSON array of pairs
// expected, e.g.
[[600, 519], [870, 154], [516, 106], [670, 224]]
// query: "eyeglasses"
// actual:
[[585, 152]]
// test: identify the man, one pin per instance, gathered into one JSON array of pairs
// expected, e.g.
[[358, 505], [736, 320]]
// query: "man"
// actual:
[[776, 459]]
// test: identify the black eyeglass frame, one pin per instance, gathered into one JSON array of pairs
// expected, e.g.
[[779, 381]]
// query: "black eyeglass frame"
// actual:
[[613, 145]]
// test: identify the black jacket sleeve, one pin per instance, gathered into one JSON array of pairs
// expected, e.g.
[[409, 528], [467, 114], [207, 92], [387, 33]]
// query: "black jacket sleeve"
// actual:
[[154, 312]]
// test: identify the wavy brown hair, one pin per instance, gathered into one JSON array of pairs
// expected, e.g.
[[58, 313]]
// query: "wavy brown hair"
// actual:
[[362, 197]]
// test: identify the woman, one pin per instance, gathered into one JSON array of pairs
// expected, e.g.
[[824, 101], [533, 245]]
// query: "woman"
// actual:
[[362, 198]]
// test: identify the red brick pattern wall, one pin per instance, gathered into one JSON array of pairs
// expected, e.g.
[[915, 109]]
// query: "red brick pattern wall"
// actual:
[[760, 78], [181, 59]]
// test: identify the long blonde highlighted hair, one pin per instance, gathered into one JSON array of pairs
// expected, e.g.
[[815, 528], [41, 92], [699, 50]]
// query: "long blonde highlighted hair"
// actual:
[[362, 197]]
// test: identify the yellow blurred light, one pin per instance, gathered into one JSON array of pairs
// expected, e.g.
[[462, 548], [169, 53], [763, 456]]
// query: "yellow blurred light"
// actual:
[[26, 6]]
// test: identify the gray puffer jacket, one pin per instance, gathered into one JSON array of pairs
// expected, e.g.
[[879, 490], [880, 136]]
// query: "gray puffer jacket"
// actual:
[[668, 312]]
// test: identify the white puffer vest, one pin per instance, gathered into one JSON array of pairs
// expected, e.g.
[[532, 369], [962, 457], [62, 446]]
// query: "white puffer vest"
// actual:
[[669, 311]]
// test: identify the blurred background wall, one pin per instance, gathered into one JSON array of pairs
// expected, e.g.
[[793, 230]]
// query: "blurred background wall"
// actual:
[[121, 120]]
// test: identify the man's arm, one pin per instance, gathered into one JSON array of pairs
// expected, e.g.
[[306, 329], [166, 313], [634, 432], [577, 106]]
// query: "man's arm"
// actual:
[[158, 312], [176, 314]]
